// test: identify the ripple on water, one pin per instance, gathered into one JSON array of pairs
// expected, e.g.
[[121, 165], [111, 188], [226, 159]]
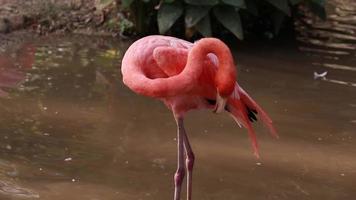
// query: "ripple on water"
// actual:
[[74, 131], [331, 43], [12, 190]]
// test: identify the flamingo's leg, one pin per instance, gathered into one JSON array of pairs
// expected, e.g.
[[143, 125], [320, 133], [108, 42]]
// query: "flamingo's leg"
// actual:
[[179, 175], [189, 162]]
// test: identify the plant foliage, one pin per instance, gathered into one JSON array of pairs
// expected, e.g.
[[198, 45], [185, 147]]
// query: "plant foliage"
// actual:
[[210, 16]]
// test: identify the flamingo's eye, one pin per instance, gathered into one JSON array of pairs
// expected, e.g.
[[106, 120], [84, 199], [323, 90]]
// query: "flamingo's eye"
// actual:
[[211, 101]]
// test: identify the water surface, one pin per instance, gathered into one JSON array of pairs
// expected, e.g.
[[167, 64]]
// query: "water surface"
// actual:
[[70, 129]]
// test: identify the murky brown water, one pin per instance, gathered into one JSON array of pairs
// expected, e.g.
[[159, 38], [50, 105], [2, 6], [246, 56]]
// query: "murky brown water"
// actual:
[[69, 129]]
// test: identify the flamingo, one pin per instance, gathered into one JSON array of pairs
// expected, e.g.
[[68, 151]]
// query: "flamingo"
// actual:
[[185, 77]]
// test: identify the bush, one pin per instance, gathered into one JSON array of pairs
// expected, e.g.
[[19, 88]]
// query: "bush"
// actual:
[[213, 17]]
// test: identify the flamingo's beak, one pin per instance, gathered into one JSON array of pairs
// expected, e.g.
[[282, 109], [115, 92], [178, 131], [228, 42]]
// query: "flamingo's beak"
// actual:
[[220, 104]]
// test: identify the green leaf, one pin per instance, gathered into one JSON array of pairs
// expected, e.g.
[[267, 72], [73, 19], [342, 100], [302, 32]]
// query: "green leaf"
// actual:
[[126, 3], [204, 26], [202, 2], [251, 6], [229, 17], [167, 15], [169, 1], [237, 3], [281, 5], [194, 14], [278, 19]]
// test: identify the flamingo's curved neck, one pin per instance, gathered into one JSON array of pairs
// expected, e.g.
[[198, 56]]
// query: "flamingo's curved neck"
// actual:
[[225, 76]]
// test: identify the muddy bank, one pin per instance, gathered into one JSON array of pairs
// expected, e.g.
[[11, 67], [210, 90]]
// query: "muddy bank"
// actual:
[[47, 16], [21, 19]]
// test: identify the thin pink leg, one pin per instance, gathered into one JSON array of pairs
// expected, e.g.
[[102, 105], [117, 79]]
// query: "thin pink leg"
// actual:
[[179, 175], [189, 161]]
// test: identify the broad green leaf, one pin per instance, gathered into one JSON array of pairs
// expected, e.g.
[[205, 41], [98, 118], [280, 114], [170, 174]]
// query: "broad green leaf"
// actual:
[[194, 14], [229, 17], [278, 19], [281, 5], [169, 1], [167, 15], [295, 2], [204, 27], [251, 6], [126, 3], [237, 3], [202, 2]]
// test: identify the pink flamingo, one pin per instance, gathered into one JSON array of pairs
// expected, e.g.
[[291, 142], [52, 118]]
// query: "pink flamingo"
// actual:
[[188, 76]]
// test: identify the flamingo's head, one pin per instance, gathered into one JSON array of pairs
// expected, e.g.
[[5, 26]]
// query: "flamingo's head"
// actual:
[[225, 76], [225, 80]]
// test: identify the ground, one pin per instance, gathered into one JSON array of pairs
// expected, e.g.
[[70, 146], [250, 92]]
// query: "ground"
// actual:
[[41, 17]]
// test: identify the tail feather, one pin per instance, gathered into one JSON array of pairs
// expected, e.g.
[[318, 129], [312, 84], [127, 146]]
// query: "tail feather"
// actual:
[[240, 116], [242, 108], [263, 115]]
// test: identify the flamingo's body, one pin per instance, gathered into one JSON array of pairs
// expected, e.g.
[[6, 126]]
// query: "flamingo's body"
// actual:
[[188, 76]]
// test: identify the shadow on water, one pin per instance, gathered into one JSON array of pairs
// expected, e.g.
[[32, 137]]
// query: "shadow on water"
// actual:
[[71, 130]]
